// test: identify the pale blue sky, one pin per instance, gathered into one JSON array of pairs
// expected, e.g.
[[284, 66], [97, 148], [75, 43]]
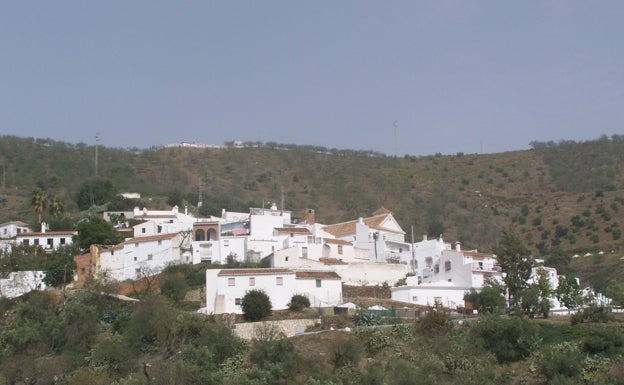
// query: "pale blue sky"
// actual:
[[469, 76]]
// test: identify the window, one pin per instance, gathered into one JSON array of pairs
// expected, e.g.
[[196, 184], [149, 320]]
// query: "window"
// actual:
[[436, 268], [136, 244], [304, 252], [36, 242], [62, 241], [231, 281], [149, 257], [26, 242], [286, 259], [159, 242], [414, 298], [237, 301], [279, 281], [318, 283], [135, 258], [226, 242], [143, 230], [50, 243], [252, 281], [340, 249], [138, 273], [447, 265]]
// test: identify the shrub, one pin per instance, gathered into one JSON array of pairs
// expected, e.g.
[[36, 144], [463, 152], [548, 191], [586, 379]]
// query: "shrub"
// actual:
[[488, 300], [366, 318], [561, 360], [278, 357], [509, 339], [256, 305], [603, 340], [298, 302], [174, 287], [593, 313], [435, 321], [347, 352]]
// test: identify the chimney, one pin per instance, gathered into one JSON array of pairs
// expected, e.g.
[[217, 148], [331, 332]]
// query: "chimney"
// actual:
[[457, 246], [424, 237], [43, 227]]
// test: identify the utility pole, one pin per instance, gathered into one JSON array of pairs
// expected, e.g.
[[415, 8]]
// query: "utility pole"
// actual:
[[413, 253], [396, 125], [282, 197], [200, 200], [97, 141]]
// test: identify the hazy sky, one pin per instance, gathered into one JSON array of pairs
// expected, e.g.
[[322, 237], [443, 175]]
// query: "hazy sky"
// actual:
[[411, 77]]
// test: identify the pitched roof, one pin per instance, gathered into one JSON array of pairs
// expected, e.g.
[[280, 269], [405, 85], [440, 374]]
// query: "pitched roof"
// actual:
[[16, 223], [47, 233], [149, 238], [349, 227], [476, 254], [332, 261], [294, 230], [226, 272], [337, 241], [317, 275]]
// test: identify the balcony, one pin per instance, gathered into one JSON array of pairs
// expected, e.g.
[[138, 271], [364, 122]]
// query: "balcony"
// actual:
[[487, 267]]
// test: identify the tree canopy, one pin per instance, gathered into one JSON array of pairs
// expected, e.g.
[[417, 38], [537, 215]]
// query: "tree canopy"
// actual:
[[515, 261], [96, 231], [95, 192]]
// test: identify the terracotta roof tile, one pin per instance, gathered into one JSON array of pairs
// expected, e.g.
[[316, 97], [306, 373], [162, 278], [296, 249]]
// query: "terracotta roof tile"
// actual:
[[317, 275], [294, 230], [337, 241], [349, 227], [39, 234], [149, 238], [476, 254], [227, 272], [332, 261]]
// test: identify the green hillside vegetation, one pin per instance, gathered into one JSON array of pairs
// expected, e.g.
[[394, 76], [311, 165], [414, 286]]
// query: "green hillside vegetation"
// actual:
[[88, 337], [560, 199], [563, 198]]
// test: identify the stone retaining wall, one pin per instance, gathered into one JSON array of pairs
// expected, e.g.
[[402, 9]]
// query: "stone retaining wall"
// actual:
[[272, 329]]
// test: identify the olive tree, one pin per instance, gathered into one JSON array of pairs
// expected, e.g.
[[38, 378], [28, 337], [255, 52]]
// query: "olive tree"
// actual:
[[256, 305]]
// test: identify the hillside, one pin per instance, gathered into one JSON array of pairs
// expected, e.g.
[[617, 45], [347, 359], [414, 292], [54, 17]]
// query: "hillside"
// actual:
[[563, 198]]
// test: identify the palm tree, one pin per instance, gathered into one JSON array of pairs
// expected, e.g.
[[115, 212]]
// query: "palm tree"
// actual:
[[56, 207], [39, 202]]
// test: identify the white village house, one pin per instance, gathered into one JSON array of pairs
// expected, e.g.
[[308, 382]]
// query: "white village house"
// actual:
[[11, 229], [48, 240], [226, 287], [134, 258]]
